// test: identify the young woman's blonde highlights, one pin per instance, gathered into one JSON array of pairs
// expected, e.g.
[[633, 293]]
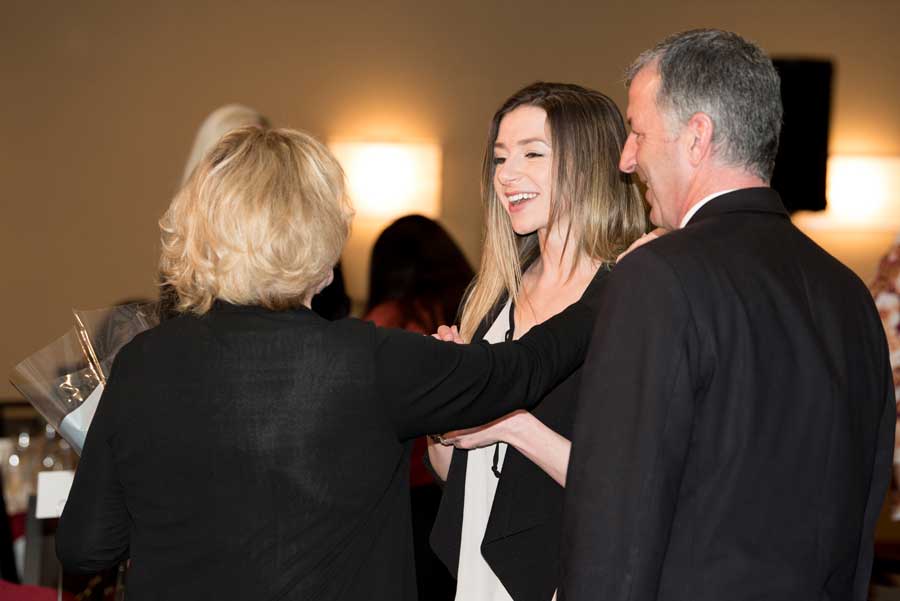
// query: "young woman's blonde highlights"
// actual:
[[601, 206], [261, 221]]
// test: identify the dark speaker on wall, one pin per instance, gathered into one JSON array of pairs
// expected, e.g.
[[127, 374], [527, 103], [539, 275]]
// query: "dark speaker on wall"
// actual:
[[800, 167]]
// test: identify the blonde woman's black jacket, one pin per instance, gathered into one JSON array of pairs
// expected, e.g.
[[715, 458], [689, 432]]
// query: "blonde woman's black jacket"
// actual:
[[257, 455], [521, 541]]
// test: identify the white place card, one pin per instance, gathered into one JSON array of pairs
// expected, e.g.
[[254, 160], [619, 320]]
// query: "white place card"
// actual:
[[52, 492]]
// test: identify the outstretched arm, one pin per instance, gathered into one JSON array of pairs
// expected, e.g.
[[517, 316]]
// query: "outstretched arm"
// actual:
[[431, 386], [527, 434]]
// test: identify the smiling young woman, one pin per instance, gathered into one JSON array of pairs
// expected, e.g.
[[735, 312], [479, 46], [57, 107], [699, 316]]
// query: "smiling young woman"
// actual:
[[558, 213]]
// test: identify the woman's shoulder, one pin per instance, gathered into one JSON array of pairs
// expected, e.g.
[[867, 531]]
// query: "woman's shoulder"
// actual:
[[165, 333], [595, 286], [222, 329]]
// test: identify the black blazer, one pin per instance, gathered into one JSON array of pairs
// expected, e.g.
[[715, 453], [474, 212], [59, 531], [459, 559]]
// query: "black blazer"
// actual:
[[521, 541], [252, 455], [734, 430]]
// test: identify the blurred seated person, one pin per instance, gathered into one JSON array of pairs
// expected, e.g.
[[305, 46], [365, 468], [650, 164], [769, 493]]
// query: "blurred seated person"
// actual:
[[249, 449], [417, 278]]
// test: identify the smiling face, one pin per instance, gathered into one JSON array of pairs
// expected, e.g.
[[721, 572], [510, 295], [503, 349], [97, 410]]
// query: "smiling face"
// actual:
[[523, 168], [655, 152]]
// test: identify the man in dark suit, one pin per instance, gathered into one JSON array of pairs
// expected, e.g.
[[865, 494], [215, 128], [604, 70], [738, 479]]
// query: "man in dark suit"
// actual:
[[734, 428]]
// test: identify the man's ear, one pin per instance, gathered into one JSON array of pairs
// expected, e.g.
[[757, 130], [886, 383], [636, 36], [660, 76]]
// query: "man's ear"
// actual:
[[700, 133]]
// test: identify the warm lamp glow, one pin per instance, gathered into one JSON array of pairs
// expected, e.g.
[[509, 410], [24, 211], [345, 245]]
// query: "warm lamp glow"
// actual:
[[863, 194], [860, 190], [388, 180]]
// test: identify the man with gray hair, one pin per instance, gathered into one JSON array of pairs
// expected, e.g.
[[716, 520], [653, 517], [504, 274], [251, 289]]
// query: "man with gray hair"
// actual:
[[734, 430]]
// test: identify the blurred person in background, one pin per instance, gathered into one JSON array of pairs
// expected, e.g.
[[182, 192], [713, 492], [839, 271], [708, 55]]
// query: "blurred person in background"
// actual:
[[885, 289], [417, 278], [218, 123]]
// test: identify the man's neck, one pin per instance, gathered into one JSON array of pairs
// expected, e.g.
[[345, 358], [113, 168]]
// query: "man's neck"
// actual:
[[720, 180]]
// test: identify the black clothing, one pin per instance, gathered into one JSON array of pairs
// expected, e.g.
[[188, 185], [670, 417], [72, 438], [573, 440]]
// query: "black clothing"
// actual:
[[521, 541], [332, 302], [433, 580], [734, 430], [253, 455]]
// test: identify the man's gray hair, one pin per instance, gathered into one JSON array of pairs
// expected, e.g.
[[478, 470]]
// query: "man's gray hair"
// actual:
[[732, 80]]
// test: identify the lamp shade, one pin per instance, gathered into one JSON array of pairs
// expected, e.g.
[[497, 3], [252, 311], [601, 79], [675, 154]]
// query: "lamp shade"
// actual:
[[863, 194], [388, 179]]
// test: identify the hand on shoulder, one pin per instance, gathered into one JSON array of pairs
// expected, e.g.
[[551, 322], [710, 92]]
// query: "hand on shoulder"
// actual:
[[648, 237]]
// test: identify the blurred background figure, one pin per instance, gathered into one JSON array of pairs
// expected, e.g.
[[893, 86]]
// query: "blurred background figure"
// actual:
[[886, 291], [417, 276], [217, 124], [417, 279], [332, 303]]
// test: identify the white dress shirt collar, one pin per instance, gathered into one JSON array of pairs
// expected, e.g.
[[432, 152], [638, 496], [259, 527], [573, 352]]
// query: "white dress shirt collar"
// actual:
[[693, 210]]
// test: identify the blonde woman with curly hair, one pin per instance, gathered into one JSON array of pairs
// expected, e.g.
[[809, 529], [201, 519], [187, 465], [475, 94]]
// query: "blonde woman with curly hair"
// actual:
[[558, 214], [249, 449]]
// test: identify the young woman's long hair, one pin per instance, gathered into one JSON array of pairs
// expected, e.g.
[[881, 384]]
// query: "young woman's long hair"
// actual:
[[602, 205]]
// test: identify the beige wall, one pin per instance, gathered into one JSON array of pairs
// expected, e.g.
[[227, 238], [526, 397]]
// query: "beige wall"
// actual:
[[100, 102]]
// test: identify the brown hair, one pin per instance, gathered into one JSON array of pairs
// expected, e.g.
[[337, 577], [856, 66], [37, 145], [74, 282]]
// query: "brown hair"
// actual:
[[602, 205]]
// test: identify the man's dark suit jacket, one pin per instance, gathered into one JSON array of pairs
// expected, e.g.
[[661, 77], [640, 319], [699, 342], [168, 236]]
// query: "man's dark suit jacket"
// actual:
[[255, 455], [521, 541], [734, 430]]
